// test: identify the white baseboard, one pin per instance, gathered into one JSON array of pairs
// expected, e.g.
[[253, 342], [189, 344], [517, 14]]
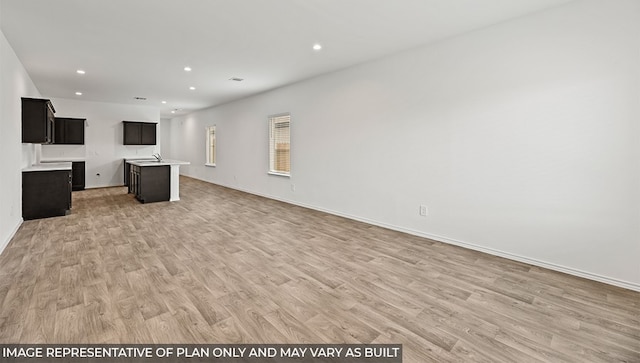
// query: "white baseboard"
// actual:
[[5, 243], [471, 246]]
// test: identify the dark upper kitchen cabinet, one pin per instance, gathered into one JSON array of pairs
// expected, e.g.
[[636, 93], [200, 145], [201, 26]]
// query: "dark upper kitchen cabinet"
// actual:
[[37, 121], [139, 133], [148, 136], [68, 131], [132, 133]]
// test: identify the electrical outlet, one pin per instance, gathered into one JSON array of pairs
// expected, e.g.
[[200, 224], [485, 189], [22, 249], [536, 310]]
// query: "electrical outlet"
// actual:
[[293, 187], [424, 211]]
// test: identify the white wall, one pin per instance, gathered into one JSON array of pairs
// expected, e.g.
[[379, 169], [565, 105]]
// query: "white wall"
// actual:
[[164, 138], [103, 147], [522, 139], [14, 83]]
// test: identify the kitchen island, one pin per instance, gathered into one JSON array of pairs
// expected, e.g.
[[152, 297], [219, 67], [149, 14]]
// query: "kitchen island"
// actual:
[[151, 180]]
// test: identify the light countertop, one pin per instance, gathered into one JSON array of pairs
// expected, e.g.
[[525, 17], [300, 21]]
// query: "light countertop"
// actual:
[[62, 159], [164, 162], [139, 158], [48, 167]]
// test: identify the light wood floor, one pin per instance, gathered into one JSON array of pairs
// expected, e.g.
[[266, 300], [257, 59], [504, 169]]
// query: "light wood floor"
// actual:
[[222, 266]]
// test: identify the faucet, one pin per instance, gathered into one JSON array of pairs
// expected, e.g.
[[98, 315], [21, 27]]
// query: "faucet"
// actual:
[[158, 157]]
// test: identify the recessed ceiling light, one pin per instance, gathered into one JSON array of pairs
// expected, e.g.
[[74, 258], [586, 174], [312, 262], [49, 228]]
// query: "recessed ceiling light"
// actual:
[[173, 111], [164, 101], [317, 46], [192, 88], [80, 71], [187, 69], [78, 93]]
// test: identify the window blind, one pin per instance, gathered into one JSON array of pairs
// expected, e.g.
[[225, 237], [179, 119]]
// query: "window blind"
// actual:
[[280, 144], [211, 145]]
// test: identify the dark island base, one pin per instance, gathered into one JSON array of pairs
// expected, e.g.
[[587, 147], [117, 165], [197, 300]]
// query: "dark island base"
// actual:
[[150, 183]]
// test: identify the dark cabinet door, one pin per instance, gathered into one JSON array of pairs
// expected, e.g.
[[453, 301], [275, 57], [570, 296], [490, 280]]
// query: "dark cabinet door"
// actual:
[[69, 131], [127, 173], [148, 134], [58, 131], [135, 180], [152, 183], [37, 121], [46, 193], [78, 175], [139, 133], [74, 131], [132, 133]]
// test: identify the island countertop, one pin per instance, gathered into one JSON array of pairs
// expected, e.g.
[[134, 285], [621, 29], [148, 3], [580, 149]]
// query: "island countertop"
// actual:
[[139, 158], [164, 162]]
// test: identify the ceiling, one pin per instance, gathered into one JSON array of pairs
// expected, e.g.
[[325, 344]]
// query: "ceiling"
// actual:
[[139, 48]]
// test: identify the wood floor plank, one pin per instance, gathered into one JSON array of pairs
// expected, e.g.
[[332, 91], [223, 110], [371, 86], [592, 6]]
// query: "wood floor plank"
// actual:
[[330, 332], [148, 298], [70, 289], [101, 313], [203, 300], [228, 331], [284, 300], [41, 318], [429, 334], [415, 348], [191, 324], [130, 317], [294, 330], [252, 320], [223, 266], [71, 325]]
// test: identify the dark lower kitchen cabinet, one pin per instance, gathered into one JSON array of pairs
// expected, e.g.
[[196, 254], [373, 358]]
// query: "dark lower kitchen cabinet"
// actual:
[[69, 131], [127, 173], [78, 175], [139, 133], [150, 183], [46, 193], [37, 121]]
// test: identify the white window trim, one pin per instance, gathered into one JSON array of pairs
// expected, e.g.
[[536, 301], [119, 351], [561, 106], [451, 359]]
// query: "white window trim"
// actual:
[[215, 146], [279, 174]]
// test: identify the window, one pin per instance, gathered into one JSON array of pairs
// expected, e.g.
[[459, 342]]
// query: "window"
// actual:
[[211, 146], [280, 144]]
